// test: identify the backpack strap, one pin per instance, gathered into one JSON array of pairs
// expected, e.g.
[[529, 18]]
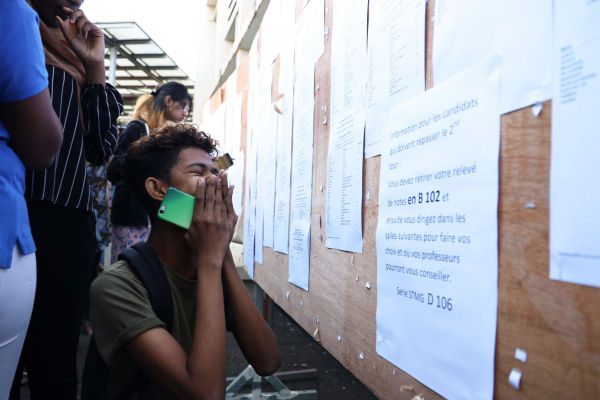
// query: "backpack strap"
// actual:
[[149, 269]]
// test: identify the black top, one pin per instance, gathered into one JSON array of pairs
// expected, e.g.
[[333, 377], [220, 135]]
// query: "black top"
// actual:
[[65, 183], [126, 209]]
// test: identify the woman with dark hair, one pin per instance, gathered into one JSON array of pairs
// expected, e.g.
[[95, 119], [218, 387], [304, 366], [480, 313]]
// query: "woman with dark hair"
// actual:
[[170, 103]]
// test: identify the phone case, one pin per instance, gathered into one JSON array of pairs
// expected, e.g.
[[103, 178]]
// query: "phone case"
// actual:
[[177, 208]]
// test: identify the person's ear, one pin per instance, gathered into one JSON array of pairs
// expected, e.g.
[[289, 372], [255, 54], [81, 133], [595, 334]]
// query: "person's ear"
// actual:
[[168, 101], [156, 188]]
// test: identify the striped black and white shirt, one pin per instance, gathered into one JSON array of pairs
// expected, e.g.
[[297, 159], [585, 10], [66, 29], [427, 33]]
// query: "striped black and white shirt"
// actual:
[[64, 183]]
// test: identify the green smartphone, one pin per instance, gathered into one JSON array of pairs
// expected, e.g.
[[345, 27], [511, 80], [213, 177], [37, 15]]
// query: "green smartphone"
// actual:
[[177, 208]]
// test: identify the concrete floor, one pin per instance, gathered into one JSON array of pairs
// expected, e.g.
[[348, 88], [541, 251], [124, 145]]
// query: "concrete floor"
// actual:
[[299, 352]]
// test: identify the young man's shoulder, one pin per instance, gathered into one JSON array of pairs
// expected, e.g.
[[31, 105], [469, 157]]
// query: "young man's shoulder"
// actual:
[[120, 309], [119, 276]]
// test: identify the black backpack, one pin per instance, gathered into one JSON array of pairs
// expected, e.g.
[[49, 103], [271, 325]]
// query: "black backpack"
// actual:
[[149, 269]]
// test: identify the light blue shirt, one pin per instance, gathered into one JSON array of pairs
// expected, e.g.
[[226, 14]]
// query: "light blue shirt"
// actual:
[[22, 75]]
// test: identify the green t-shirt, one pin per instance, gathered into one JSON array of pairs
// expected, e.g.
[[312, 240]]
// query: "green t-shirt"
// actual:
[[120, 310]]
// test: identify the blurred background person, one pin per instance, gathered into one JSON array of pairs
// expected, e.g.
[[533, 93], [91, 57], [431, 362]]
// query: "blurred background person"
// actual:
[[170, 103]]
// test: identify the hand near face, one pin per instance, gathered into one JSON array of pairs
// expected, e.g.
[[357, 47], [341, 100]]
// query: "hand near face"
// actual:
[[228, 201], [85, 38], [209, 235]]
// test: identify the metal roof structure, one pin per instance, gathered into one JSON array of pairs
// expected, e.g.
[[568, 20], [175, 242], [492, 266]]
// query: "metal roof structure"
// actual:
[[135, 64]]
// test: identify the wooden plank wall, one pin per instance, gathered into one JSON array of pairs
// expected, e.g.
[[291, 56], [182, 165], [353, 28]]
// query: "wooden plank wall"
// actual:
[[557, 323]]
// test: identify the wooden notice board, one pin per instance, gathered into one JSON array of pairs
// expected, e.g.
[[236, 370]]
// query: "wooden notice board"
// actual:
[[556, 323]]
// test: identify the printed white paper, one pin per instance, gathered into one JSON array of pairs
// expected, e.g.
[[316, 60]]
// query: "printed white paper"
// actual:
[[250, 208], [263, 135], [574, 191], [285, 103], [396, 62], [309, 46], [251, 147], [235, 177], [343, 200], [437, 240], [269, 169], [467, 32]]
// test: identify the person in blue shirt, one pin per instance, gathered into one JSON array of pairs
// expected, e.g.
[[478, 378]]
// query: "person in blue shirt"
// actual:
[[30, 136], [58, 197]]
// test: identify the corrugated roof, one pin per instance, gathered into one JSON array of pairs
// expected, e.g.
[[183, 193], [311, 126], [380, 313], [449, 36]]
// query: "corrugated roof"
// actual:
[[141, 64]]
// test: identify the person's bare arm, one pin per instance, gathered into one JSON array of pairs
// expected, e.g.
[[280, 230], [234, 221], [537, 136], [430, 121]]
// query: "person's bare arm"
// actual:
[[35, 131], [256, 339], [201, 374]]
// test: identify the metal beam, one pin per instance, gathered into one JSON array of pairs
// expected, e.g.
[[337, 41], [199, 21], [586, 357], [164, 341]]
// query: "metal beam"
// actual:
[[152, 55], [134, 41], [141, 78], [111, 40], [142, 87], [158, 68], [118, 50]]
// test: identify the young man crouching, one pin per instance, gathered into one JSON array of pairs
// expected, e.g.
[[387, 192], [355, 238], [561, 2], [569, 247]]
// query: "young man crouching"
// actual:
[[189, 361]]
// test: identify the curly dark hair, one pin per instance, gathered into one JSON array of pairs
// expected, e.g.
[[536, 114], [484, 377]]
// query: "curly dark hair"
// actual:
[[155, 155]]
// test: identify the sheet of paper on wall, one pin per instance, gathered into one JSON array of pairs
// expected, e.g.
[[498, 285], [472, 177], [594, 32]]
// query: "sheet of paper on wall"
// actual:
[[205, 114], [215, 124], [284, 103], [343, 199], [224, 146], [437, 236], [251, 150], [263, 136], [284, 150], [269, 169], [288, 22], [250, 209], [308, 47], [233, 125], [235, 177], [574, 190], [467, 32], [231, 86], [259, 209], [233, 116], [270, 33], [310, 31], [396, 62]]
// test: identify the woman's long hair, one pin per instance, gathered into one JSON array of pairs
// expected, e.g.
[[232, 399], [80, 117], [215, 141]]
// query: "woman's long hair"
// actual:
[[152, 107]]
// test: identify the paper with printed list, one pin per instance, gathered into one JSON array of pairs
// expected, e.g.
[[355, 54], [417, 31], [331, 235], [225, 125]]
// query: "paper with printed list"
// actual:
[[250, 207], [467, 32], [285, 103], [437, 240], [268, 159], [396, 62], [265, 134], [574, 191], [343, 199], [308, 47], [251, 150]]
